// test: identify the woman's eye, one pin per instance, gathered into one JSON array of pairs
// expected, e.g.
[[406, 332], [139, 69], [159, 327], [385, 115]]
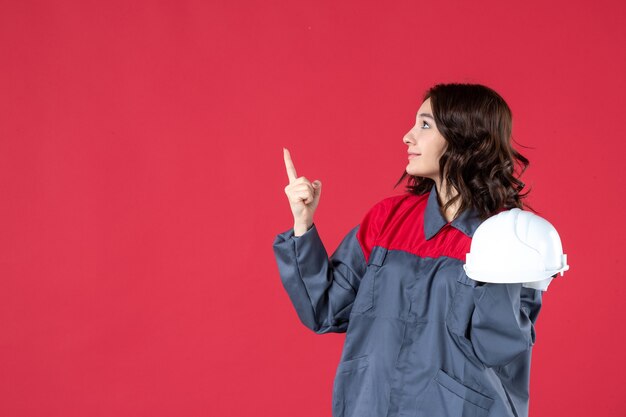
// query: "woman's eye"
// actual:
[[425, 124]]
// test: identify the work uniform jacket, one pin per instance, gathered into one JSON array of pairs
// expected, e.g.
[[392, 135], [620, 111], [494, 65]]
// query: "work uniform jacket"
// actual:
[[423, 339]]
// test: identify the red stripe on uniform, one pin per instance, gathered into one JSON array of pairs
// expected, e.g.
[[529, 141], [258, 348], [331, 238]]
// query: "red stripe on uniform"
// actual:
[[397, 223]]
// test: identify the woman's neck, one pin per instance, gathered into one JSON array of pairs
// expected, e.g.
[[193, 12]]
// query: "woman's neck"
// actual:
[[450, 213]]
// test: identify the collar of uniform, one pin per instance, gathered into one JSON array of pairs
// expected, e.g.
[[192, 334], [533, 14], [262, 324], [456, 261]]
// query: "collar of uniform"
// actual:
[[467, 222]]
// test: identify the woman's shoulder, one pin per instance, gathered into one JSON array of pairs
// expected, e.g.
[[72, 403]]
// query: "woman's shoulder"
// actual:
[[384, 212]]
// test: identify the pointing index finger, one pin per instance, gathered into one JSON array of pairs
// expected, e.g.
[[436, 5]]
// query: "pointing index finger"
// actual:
[[291, 170]]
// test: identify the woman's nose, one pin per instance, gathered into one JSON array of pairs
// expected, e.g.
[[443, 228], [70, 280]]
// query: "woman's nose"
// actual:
[[408, 138]]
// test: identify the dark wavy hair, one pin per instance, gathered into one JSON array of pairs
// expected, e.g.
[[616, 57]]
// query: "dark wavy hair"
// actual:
[[479, 161]]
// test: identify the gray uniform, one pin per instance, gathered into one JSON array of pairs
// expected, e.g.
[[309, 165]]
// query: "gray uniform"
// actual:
[[422, 338]]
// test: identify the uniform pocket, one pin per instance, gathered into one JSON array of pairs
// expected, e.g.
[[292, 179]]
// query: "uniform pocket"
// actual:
[[364, 300], [447, 397], [461, 309], [352, 389]]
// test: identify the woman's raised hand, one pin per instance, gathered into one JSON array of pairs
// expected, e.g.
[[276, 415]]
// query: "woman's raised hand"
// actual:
[[303, 196]]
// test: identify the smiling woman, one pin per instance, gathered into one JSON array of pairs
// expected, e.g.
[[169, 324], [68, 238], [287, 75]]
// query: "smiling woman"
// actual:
[[423, 339], [463, 133], [426, 145]]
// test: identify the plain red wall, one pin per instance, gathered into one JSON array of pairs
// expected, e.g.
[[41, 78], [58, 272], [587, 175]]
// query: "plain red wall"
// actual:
[[142, 176]]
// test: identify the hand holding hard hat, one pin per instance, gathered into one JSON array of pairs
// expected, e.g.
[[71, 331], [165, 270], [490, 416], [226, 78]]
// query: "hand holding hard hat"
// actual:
[[516, 246]]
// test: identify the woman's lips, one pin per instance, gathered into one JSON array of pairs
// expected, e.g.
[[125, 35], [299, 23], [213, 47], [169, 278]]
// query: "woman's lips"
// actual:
[[413, 155]]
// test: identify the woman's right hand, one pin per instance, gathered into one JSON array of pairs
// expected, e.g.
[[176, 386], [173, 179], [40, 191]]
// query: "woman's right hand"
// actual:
[[303, 196]]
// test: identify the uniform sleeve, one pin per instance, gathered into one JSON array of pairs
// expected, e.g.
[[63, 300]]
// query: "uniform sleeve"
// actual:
[[503, 320], [322, 290]]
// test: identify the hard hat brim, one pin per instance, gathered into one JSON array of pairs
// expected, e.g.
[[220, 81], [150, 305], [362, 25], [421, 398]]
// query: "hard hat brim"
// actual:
[[511, 277]]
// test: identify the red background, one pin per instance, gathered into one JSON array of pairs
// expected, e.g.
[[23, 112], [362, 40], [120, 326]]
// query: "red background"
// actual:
[[142, 176]]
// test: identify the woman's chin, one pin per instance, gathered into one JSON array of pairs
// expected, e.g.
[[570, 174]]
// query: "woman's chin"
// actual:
[[413, 172], [418, 173]]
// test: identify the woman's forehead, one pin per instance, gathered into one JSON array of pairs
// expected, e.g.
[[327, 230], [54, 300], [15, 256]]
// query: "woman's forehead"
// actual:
[[425, 107], [425, 110]]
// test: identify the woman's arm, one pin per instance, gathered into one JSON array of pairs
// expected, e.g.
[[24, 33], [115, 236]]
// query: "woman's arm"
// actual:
[[502, 323], [322, 290]]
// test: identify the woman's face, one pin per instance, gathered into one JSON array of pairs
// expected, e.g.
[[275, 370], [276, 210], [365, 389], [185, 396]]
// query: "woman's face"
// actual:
[[424, 140]]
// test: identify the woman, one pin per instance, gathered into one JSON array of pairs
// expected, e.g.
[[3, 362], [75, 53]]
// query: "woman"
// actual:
[[423, 339]]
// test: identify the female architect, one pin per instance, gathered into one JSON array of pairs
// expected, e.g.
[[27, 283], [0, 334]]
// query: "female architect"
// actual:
[[422, 338]]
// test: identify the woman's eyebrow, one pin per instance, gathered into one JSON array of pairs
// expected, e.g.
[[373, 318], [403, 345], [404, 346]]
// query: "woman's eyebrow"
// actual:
[[426, 115]]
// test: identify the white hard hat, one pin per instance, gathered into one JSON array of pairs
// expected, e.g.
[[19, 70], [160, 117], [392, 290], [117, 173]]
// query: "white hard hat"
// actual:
[[515, 246]]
